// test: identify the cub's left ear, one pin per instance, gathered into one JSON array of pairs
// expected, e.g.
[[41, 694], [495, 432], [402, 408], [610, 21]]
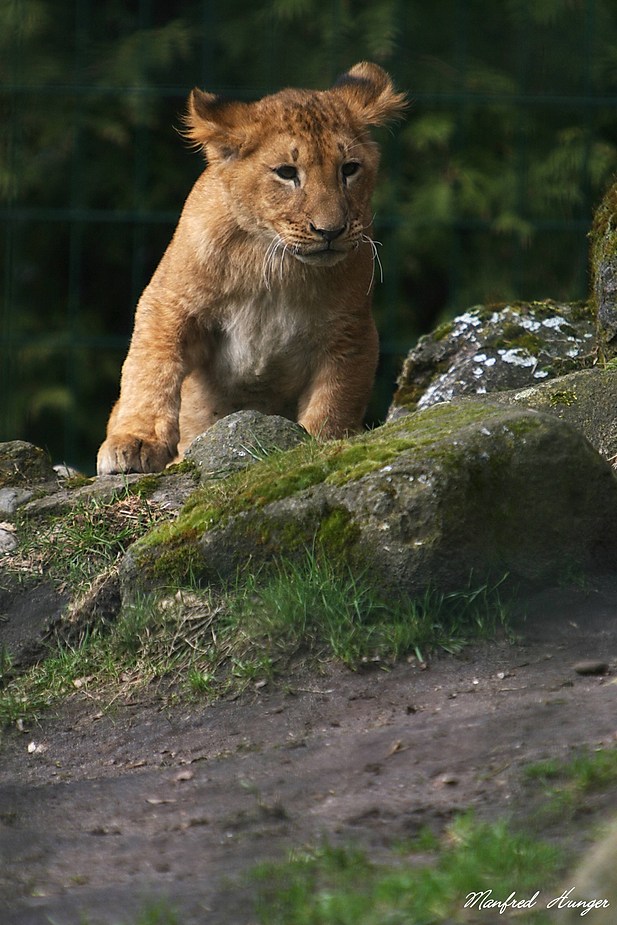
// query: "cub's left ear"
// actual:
[[370, 94]]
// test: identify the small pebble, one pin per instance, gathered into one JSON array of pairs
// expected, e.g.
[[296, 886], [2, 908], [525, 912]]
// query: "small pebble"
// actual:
[[448, 780], [591, 666]]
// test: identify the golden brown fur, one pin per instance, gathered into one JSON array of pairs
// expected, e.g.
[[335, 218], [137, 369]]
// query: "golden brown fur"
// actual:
[[262, 299]]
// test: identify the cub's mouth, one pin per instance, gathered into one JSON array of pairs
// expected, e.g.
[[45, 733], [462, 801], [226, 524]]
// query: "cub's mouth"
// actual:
[[316, 253], [324, 256]]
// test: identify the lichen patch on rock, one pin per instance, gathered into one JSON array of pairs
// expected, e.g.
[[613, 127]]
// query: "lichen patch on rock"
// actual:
[[496, 348]]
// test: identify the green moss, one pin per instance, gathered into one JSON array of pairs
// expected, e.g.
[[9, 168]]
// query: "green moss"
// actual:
[[603, 233], [408, 395], [333, 536], [547, 308], [147, 485], [184, 467], [361, 460], [179, 560], [581, 311], [337, 535], [565, 397], [513, 336], [603, 253], [77, 481], [486, 312], [443, 330]]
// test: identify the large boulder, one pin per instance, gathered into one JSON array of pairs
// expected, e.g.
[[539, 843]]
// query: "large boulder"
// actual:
[[496, 348], [456, 489]]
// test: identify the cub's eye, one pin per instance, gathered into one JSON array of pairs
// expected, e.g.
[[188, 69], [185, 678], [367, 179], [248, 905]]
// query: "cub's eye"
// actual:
[[350, 168], [287, 172]]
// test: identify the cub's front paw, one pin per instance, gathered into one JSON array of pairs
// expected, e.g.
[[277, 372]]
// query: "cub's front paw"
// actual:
[[128, 453]]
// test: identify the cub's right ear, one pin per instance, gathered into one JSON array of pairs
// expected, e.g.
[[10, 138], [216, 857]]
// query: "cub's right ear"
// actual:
[[215, 124]]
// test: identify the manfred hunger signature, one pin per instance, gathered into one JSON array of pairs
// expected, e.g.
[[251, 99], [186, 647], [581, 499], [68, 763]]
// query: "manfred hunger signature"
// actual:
[[567, 900]]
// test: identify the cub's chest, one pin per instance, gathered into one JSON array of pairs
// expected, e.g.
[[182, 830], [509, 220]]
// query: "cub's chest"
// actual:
[[266, 341]]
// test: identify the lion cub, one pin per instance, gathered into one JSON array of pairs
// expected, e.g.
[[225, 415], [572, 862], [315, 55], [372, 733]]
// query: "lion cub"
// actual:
[[262, 299]]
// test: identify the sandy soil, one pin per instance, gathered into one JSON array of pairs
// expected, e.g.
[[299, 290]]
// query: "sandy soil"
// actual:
[[104, 807]]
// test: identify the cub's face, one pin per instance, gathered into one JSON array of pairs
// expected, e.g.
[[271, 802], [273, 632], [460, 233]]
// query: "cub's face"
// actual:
[[298, 167], [305, 184]]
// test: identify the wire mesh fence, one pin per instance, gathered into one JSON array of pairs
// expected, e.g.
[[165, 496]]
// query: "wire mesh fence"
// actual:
[[487, 190]]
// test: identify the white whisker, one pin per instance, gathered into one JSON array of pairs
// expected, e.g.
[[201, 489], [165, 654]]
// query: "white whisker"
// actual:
[[374, 246], [282, 258], [266, 261], [275, 244]]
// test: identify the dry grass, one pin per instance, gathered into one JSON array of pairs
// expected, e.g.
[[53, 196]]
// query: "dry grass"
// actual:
[[75, 546]]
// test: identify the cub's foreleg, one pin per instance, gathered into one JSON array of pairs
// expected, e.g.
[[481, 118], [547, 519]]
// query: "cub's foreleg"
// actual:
[[142, 433], [335, 403]]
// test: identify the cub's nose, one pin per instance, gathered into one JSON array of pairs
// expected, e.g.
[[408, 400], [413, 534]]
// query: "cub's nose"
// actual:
[[328, 234]]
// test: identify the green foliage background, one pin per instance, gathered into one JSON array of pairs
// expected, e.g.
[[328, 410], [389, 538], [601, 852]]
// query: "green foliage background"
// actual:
[[487, 189]]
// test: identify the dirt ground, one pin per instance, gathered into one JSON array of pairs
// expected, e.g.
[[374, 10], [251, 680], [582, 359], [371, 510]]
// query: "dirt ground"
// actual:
[[103, 808]]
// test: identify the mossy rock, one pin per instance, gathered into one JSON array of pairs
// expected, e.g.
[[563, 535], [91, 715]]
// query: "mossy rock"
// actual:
[[242, 439], [24, 464], [496, 348], [604, 273], [427, 500]]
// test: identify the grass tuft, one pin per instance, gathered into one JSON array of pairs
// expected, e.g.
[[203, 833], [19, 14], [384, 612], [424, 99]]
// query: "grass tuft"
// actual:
[[566, 785], [153, 913], [339, 886], [336, 612]]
